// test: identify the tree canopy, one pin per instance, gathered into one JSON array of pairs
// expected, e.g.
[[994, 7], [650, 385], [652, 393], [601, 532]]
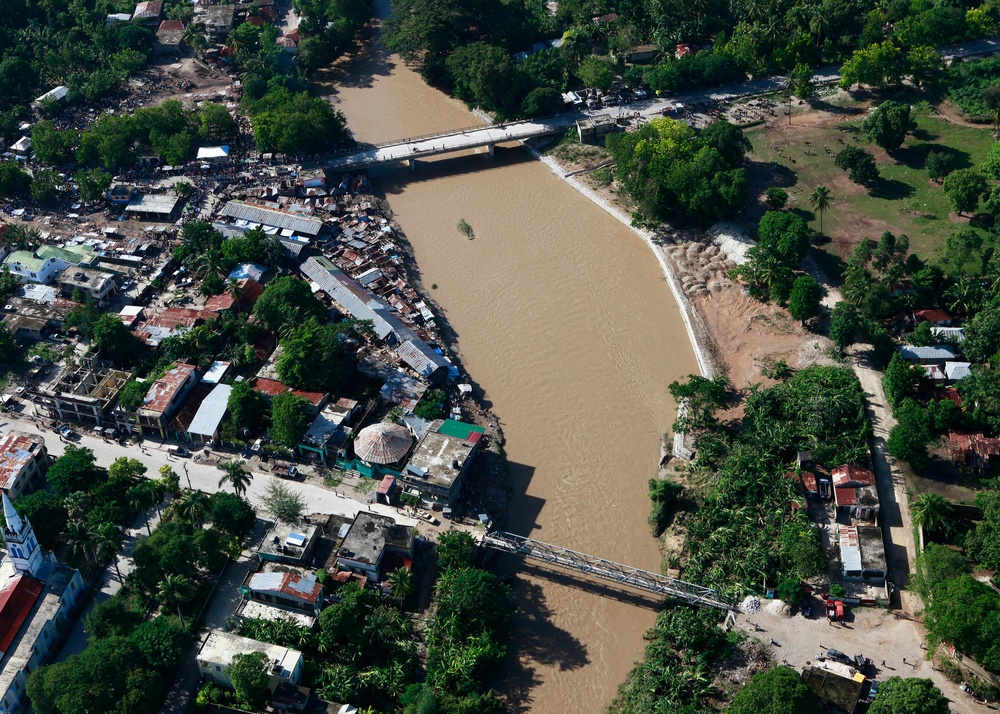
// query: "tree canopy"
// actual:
[[287, 302], [671, 170], [911, 695], [778, 690]]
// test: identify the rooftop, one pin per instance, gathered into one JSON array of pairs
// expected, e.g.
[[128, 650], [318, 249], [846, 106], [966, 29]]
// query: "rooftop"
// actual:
[[216, 372], [148, 10], [163, 391], [17, 449], [383, 443], [370, 534], [272, 388], [211, 412], [324, 426], [255, 609], [439, 458], [933, 352], [85, 277], [161, 204], [833, 689], [288, 540], [303, 587], [220, 648], [267, 216], [18, 596]]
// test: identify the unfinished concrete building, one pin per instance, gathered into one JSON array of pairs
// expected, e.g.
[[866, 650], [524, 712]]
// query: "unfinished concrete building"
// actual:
[[85, 393]]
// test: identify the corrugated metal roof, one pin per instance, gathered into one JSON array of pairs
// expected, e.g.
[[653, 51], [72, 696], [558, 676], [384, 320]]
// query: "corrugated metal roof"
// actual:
[[162, 393], [362, 305], [17, 596], [929, 353], [383, 443], [957, 370], [16, 450], [211, 412], [258, 214], [421, 357], [294, 585]]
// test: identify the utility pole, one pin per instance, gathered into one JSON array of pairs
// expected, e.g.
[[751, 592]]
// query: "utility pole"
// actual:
[[188, 477]]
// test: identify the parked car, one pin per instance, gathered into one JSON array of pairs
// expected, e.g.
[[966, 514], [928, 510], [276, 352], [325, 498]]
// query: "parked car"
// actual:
[[178, 451], [873, 691], [839, 656]]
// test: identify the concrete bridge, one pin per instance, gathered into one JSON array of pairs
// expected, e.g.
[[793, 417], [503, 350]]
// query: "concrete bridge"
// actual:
[[421, 147]]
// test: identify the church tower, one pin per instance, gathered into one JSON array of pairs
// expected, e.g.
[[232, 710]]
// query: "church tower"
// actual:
[[19, 538]]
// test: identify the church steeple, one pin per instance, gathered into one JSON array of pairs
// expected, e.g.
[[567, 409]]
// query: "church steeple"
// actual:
[[19, 538]]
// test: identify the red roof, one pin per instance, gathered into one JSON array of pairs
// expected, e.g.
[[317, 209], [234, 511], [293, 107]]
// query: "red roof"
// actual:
[[808, 479], [219, 303], [293, 35], [931, 316], [176, 25], [250, 290], [387, 483], [272, 388], [852, 474], [17, 596]]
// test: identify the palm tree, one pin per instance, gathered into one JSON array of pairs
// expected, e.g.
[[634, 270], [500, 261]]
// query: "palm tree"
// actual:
[[820, 199], [139, 497], [931, 511], [108, 541], [235, 474], [79, 538], [401, 582], [174, 591], [77, 505], [192, 505]]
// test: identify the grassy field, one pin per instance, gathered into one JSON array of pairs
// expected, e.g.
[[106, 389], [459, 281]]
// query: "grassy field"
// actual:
[[798, 158]]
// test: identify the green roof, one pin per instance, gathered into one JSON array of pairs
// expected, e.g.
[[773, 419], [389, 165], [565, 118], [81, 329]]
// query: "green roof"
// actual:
[[325, 264], [71, 254], [459, 429], [25, 258]]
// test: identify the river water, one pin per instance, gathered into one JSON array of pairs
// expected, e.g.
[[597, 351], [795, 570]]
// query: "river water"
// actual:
[[565, 321]]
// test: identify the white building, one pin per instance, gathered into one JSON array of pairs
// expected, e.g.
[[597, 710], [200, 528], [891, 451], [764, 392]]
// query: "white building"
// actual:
[[36, 598], [217, 654]]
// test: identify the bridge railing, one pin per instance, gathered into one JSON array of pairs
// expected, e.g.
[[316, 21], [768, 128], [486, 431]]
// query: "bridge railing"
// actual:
[[606, 569]]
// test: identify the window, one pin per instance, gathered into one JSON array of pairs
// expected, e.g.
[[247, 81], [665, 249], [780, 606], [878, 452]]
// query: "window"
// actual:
[[34, 275]]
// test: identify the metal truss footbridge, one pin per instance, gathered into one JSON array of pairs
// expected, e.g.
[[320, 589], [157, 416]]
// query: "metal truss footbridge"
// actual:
[[606, 570]]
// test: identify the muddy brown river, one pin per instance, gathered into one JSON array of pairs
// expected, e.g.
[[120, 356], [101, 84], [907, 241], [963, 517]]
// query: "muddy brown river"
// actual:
[[564, 320]]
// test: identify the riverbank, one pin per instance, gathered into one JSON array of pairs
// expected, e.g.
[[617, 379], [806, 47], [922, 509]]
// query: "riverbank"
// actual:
[[697, 330], [729, 332]]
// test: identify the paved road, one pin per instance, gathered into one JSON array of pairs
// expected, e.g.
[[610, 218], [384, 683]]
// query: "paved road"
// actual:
[[204, 477], [406, 149]]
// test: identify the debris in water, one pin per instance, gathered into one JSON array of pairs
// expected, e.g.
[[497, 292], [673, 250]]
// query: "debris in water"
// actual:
[[465, 229]]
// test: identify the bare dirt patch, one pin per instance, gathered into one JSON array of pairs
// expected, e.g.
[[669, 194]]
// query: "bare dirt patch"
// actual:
[[748, 334]]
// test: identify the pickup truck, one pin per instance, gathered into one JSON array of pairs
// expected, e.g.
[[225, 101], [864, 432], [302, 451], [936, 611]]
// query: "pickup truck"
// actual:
[[282, 470]]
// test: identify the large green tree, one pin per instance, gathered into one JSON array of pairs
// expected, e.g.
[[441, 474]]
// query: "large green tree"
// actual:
[[804, 300], [964, 189], [289, 418], [778, 690], [76, 470], [909, 696], [298, 366], [671, 170], [248, 673], [287, 302], [888, 125]]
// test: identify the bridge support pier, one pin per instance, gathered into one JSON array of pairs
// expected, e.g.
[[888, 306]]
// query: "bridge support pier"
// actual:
[[412, 164], [491, 147]]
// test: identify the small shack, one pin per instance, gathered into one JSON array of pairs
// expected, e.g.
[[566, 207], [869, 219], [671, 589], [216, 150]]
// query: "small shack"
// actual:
[[594, 128]]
